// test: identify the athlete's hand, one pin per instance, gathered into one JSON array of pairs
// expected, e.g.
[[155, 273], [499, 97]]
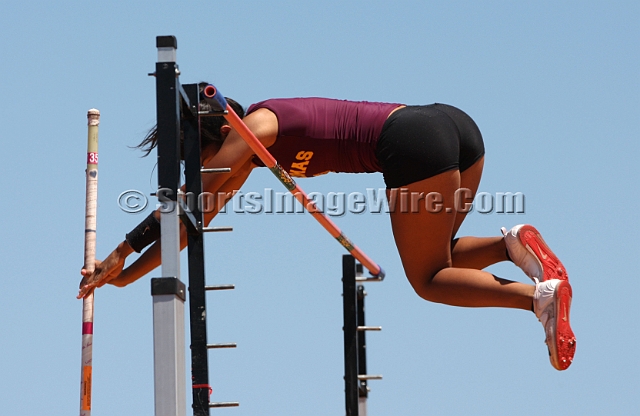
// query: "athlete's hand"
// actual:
[[105, 271]]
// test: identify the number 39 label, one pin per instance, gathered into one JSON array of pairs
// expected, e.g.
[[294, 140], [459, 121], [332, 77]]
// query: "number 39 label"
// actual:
[[92, 158]]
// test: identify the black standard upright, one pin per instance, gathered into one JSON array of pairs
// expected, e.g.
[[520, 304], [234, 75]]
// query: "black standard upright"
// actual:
[[179, 109], [168, 291], [355, 352]]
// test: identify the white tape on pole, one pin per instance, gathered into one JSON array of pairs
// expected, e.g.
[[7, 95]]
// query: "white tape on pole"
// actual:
[[93, 118]]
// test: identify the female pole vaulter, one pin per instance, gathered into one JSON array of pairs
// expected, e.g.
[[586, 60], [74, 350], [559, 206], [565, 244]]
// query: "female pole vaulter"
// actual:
[[423, 152]]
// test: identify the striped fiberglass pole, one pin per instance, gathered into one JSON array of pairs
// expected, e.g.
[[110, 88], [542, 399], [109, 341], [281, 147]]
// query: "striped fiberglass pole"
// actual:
[[217, 102], [93, 117]]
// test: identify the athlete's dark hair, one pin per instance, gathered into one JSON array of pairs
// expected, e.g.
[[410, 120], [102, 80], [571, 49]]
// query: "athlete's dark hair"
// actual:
[[209, 129]]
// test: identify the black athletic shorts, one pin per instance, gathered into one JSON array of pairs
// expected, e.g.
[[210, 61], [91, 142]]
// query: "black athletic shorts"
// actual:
[[418, 142]]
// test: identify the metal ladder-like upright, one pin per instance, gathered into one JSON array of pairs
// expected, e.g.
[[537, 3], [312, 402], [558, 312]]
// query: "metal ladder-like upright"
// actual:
[[193, 218], [355, 347]]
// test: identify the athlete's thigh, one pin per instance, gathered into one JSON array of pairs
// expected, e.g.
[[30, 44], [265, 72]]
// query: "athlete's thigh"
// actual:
[[423, 236], [469, 180]]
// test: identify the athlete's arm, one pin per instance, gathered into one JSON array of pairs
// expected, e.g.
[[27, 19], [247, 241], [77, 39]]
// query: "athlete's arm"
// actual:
[[151, 258], [234, 153]]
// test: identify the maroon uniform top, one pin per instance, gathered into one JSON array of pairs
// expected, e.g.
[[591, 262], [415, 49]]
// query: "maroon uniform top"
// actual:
[[320, 135]]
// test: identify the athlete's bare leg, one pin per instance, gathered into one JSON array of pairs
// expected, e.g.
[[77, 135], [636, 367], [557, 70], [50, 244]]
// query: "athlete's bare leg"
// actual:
[[424, 239]]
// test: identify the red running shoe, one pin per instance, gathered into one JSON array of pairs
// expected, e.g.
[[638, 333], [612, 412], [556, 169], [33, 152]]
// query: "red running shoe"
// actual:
[[552, 304], [528, 251]]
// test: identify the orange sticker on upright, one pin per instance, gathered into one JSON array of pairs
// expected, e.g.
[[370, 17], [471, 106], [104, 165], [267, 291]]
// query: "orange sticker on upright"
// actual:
[[85, 403]]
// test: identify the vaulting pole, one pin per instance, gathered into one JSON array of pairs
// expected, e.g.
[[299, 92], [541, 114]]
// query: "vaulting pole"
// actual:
[[93, 118]]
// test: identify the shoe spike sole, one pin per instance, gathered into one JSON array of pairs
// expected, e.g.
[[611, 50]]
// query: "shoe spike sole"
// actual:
[[552, 266]]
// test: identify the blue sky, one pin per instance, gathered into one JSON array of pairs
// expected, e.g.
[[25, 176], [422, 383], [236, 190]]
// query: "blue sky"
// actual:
[[554, 87]]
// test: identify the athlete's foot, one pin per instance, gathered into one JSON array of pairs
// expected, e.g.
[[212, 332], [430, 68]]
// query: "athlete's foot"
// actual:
[[552, 304], [528, 251]]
